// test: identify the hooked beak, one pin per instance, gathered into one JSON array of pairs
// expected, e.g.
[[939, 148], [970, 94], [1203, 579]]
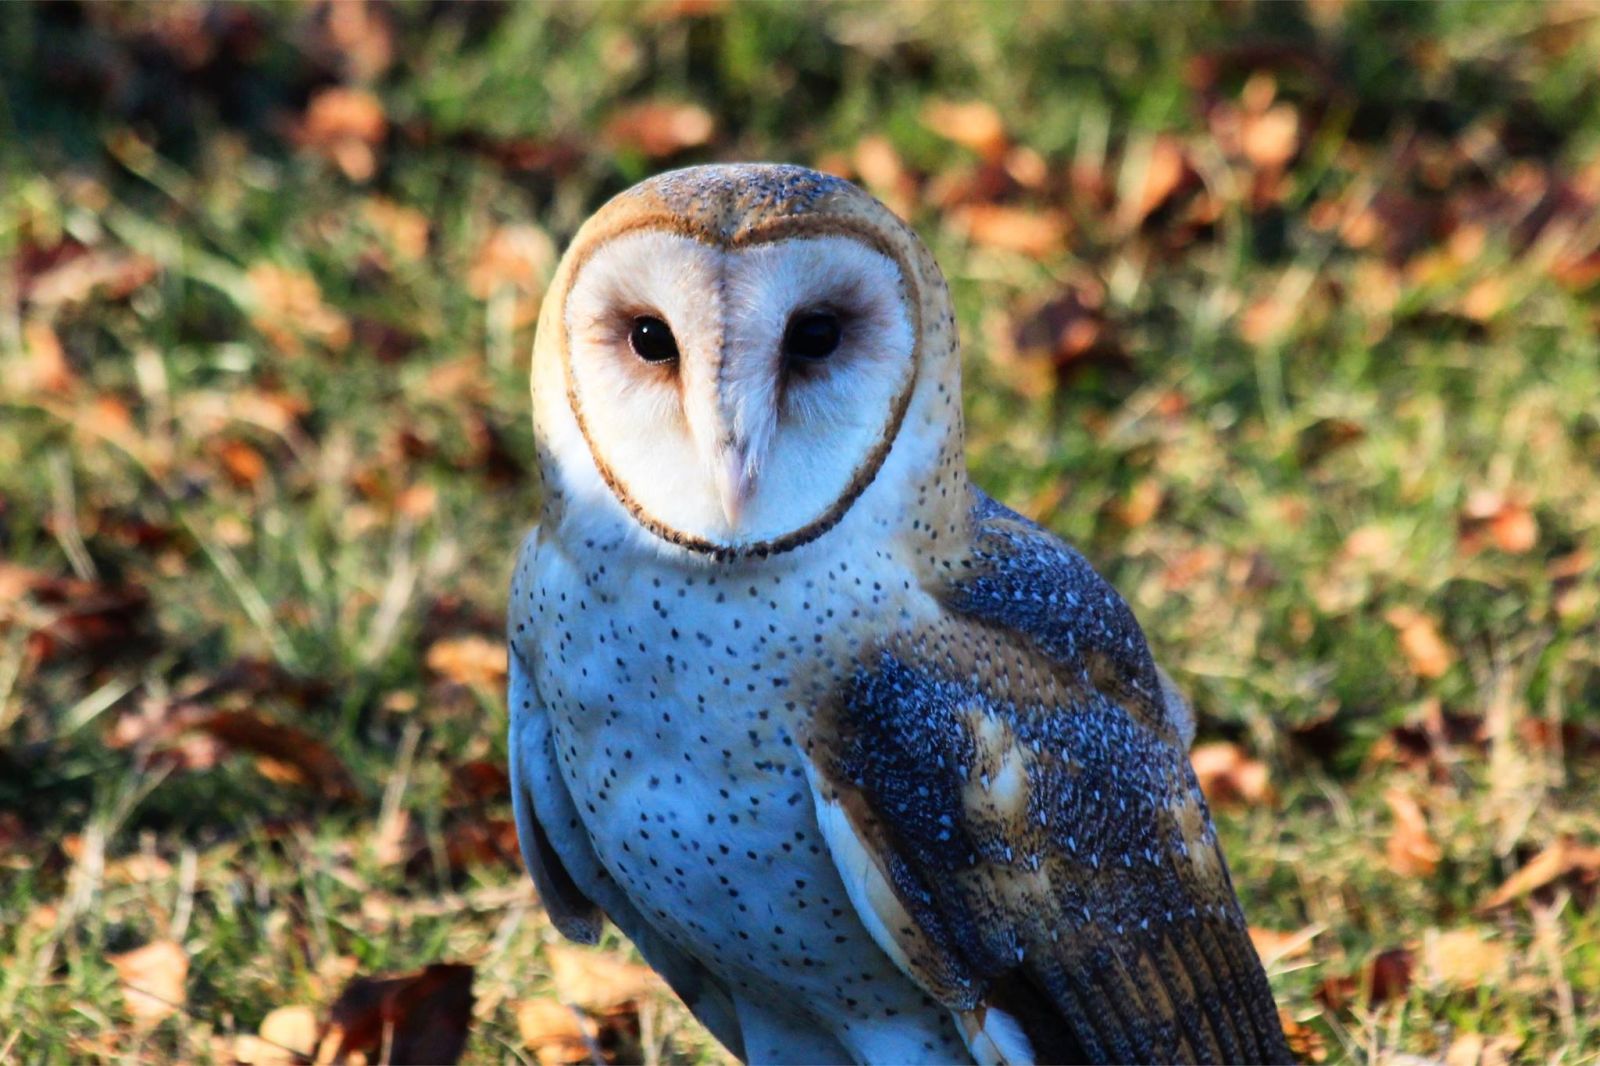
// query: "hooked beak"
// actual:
[[734, 482]]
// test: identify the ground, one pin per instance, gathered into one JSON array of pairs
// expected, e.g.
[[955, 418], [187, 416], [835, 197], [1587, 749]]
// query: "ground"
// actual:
[[1285, 314]]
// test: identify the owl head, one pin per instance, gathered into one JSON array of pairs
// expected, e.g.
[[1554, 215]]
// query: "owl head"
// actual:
[[730, 358]]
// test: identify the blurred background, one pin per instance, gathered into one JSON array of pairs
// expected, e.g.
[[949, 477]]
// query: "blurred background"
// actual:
[[1284, 313]]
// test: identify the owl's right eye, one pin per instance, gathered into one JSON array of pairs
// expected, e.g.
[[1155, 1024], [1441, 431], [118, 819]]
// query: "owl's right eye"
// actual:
[[652, 340]]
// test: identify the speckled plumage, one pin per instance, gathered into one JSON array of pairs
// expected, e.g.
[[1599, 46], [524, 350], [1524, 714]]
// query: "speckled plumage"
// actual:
[[887, 773]]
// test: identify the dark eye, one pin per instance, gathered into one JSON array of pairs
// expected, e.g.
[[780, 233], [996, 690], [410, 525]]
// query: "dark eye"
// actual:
[[812, 335], [652, 340]]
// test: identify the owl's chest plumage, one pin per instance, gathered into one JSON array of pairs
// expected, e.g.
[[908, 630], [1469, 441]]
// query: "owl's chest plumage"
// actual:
[[673, 698]]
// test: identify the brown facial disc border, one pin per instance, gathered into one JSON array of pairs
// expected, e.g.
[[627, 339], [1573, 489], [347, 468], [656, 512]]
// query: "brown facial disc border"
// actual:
[[780, 229]]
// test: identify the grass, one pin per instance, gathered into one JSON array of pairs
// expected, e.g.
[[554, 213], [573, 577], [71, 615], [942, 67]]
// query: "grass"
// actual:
[[1325, 413]]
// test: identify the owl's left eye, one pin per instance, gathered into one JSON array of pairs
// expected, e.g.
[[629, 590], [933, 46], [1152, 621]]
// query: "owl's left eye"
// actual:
[[813, 335]]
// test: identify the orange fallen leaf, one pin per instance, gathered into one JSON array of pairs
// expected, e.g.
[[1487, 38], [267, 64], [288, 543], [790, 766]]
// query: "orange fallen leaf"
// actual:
[[660, 128], [1411, 849], [1305, 1043], [1141, 503], [598, 982], [1274, 946], [416, 1017], [1425, 650], [1038, 234], [242, 463], [47, 369], [289, 306], [1498, 518], [557, 1034], [1227, 775], [972, 124], [1514, 529], [471, 660], [154, 981], [1566, 859], [1271, 138], [346, 125]]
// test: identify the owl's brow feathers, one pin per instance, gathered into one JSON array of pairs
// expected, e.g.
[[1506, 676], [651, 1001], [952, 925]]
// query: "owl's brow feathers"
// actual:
[[732, 212]]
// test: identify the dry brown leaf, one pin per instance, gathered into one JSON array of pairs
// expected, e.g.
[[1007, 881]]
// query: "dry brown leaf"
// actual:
[[972, 124], [1514, 529], [1069, 331], [1499, 518], [660, 128], [346, 126], [1425, 650], [154, 981], [519, 255], [363, 34], [1271, 138], [286, 1035], [109, 273], [242, 463], [1485, 299], [417, 1017], [1565, 859], [1227, 775], [1463, 958], [882, 171], [1390, 975], [1039, 234], [1305, 1043], [405, 229], [1141, 503], [478, 782], [557, 1034], [86, 618], [1479, 1049], [598, 982], [1166, 171], [1267, 319], [475, 841], [140, 868], [47, 369], [1411, 849], [288, 306], [283, 753], [878, 163], [1273, 946], [471, 660]]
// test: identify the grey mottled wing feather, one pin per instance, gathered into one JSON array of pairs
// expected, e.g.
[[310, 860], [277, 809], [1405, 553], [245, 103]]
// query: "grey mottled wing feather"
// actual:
[[1013, 800]]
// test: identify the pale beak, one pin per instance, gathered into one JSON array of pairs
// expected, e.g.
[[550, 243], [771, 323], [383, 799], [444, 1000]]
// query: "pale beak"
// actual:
[[734, 483]]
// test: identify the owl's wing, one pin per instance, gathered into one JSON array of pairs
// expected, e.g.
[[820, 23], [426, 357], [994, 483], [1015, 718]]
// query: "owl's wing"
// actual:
[[575, 889], [1011, 806]]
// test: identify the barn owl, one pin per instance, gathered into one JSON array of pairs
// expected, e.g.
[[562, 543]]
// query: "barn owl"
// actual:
[[870, 768]]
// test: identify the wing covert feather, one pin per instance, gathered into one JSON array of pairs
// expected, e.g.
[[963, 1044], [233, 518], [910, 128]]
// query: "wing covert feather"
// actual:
[[1012, 799]]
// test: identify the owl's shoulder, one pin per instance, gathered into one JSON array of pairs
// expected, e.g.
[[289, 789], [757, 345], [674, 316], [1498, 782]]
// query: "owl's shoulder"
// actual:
[[1031, 587]]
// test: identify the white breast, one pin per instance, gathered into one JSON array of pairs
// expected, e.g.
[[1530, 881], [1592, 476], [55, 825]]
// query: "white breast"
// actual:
[[666, 687]]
